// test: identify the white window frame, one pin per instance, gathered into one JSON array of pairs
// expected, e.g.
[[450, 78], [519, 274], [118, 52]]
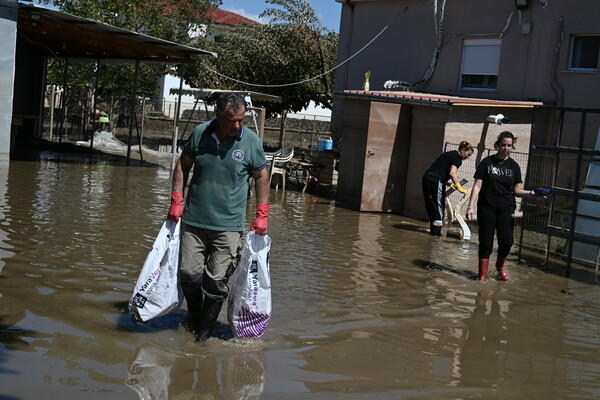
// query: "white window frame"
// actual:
[[480, 57], [574, 56]]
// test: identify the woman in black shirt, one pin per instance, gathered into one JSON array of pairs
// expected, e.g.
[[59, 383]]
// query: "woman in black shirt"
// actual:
[[434, 193], [497, 181]]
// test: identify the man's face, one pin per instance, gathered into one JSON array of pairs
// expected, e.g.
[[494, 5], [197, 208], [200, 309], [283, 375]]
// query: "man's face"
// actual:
[[231, 121]]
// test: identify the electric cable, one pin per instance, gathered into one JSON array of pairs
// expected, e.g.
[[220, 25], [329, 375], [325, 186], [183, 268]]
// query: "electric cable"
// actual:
[[305, 80]]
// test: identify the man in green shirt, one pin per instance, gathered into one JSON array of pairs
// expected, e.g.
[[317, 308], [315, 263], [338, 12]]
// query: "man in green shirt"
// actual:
[[225, 155]]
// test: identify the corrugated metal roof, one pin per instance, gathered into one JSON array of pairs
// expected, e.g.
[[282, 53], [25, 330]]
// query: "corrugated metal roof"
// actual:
[[58, 34], [434, 100]]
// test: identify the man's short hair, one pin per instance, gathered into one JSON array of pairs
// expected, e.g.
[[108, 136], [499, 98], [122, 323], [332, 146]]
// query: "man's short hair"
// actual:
[[233, 100]]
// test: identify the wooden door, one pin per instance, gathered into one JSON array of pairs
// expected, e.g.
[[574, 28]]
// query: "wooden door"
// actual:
[[381, 138]]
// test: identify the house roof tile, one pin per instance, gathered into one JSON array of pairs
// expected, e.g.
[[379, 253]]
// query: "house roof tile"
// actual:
[[223, 17], [437, 99]]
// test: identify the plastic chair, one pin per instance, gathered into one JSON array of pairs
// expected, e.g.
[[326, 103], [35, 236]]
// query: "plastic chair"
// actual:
[[270, 156], [280, 161]]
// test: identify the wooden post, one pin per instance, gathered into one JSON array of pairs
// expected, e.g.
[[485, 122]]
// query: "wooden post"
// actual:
[[261, 123], [143, 119], [176, 129], [93, 113], [52, 99], [64, 102], [132, 112], [282, 128]]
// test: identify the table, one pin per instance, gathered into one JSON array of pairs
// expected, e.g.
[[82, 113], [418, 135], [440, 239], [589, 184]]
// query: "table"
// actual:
[[303, 172]]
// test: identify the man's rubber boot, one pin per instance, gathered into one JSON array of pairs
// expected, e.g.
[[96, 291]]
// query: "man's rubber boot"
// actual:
[[502, 275], [193, 297], [435, 230], [483, 269], [210, 314]]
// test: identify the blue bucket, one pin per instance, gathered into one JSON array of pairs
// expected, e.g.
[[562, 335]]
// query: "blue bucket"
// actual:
[[324, 143]]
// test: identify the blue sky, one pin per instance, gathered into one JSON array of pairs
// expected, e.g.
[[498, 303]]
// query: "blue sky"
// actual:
[[328, 11]]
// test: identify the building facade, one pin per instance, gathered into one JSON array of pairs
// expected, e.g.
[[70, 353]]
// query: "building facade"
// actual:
[[517, 54]]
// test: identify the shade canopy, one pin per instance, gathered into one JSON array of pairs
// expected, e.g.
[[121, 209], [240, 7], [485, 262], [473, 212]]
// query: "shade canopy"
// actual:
[[61, 35]]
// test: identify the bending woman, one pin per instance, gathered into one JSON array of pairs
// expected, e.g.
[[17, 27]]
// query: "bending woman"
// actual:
[[497, 181], [434, 193]]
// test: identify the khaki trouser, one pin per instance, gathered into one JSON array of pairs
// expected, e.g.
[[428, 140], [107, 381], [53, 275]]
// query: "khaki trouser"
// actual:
[[207, 258]]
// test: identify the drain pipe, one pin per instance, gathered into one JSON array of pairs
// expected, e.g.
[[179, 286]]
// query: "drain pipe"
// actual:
[[558, 90]]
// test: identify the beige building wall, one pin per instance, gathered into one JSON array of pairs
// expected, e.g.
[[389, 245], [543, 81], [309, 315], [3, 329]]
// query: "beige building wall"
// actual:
[[421, 136], [351, 164], [395, 40], [535, 46]]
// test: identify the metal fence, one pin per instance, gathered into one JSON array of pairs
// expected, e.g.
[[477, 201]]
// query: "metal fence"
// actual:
[[569, 221], [530, 212], [153, 121], [567, 224]]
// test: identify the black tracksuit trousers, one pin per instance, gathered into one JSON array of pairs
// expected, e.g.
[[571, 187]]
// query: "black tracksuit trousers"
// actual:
[[498, 219]]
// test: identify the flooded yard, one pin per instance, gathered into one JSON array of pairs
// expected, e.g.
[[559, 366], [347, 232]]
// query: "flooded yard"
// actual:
[[365, 306]]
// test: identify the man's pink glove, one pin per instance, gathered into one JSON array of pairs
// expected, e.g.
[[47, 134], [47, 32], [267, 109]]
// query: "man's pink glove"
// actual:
[[176, 209], [259, 226]]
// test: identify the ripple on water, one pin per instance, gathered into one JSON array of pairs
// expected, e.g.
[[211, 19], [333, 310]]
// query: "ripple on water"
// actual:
[[365, 305]]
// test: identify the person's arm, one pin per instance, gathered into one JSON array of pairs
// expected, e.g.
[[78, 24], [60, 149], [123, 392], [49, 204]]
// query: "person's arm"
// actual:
[[180, 177], [263, 189], [454, 174], [262, 185], [454, 178], [473, 199], [520, 192], [181, 173]]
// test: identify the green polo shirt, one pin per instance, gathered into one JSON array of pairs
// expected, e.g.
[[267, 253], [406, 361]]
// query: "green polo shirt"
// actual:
[[218, 190]]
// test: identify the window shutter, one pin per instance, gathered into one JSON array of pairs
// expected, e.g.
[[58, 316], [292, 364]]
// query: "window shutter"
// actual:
[[481, 57]]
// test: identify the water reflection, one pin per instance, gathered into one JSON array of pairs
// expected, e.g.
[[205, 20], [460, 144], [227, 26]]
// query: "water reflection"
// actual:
[[160, 373], [4, 247], [365, 305], [482, 357]]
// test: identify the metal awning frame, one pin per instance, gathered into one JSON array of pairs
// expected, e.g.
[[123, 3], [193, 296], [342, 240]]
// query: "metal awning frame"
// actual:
[[58, 34], [210, 95]]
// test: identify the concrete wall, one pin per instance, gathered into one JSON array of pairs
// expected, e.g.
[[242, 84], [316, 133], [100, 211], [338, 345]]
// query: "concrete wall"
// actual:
[[427, 143], [433, 128], [8, 45], [395, 40], [352, 159], [530, 68], [533, 66], [421, 135]]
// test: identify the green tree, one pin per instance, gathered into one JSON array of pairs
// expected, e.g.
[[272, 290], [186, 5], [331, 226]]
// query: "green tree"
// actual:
[[278, 58], [166, 19]]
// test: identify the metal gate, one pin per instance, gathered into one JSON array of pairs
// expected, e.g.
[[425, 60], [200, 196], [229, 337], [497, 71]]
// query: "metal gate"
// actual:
[[568, 161]]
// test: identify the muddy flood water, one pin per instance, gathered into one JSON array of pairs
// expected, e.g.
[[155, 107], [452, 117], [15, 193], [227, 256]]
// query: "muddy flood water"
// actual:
[[365, 306]]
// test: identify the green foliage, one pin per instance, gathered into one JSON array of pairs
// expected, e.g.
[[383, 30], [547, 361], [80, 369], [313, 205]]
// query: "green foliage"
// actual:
[[165, 19], [114, 80], [278, 58]]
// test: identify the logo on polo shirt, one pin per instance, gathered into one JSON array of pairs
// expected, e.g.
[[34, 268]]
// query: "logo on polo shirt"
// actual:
[[238, 155]]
